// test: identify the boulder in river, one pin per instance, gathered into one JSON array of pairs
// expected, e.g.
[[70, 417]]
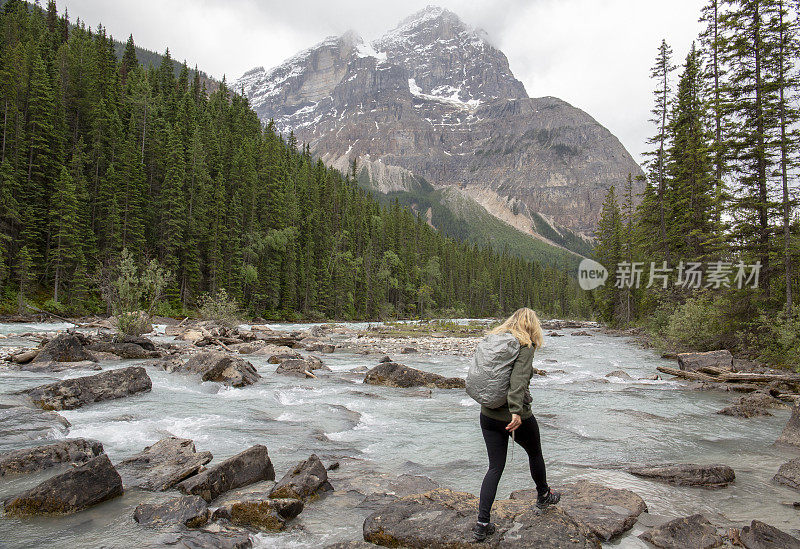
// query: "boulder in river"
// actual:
[[304, 481], [392, 374], [789, 474], [444, 518], [606, 512], [23, 423], [189, 511], [29, 460], [300, 367], [124, 349], [621, 374], [240, 470], [264, 514], [220, 538], [66, 347], [60, 366], [791, 433], [163, 465], [722, 359], [763, 536], [74, 393], [694, 531], [755, 404], [687, 474], [220, 367], [91, 483]]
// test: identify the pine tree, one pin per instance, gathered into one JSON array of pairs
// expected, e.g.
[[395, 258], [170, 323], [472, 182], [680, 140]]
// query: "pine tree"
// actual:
[[65, 229], [609, 252], [129, 60]]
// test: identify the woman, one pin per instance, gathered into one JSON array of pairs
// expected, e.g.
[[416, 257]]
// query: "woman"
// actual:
[[514, 419]]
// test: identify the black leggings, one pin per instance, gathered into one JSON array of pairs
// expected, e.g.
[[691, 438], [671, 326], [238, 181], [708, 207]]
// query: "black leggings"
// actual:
[[496, 437]]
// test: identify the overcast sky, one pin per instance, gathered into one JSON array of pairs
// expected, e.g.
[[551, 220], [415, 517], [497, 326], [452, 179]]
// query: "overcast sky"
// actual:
[[595, 54]]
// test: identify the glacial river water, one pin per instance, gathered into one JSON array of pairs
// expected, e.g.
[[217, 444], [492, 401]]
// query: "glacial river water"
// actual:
[[591, 425]]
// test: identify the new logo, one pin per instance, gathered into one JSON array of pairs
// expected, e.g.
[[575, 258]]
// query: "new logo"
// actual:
[[591, 274]]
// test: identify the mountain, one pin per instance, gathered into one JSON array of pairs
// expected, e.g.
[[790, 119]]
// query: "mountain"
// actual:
[[433, 99]]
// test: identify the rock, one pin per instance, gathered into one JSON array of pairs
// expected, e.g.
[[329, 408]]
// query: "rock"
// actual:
[[59, 366], [20, 423], [763, 536], [268, 514], [141, 341], [91, 483], [606, 512], [190, 335], [408, 350], [621, 374], [385, 358], [205, 539], [581, 333], [753, 405], [74, 393], [320, 347], [738, 410], [653, 377], [444, 518], [298, 367], [25, 356], [791, 433], [280, 357], [687, 474], [555, 334], [694, 531], [67, 347], [333, 466], [29, 460], [354, 544], [127, 350], [717, 359], [392, 374], [240, 470], [163, 465], [304, 481], [222, 368], [789, 474], [189, 511]]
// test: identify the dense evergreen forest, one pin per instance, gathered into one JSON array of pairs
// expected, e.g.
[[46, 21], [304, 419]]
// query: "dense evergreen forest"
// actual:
[[101, 156], [721, 192]]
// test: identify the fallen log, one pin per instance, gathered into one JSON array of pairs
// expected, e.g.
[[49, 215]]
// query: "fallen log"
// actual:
[[687, 374], [714, 370], [734, 377], [25, 356]]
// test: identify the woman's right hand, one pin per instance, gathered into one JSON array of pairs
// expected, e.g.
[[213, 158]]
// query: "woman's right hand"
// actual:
[[516, 421]]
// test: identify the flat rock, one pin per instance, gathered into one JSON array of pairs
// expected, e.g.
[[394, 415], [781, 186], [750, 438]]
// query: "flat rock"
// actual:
[[715, 359], [298, 366], [354, 544], [23, 423], [163, 465], [304, 481], [621, 374], [59, 366], [91, 483], [791, 433], [244, 468], [229, 370], [687, 474], [124, 349], [189, 511], [320, 347], [682, 533], [204, 539], [606, 512], [264, 514], [66, 347], [392, 374], [29, 460], [444, 518], [278, 357], [74, 393], [789, 474], [755, 404], [763, 536]]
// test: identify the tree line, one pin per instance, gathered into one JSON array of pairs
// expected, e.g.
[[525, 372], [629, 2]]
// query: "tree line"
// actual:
[[102, 157], [721, 190]]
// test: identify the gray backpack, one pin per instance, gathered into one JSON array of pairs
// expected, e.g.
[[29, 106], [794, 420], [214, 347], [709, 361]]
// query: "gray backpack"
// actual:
[[489, 375]]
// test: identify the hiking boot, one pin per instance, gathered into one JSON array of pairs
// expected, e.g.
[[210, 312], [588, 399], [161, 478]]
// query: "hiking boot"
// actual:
[[550, 498], [481, 531]]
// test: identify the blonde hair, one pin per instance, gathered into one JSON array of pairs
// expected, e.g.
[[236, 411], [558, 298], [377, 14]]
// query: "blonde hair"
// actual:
[[524, 325]]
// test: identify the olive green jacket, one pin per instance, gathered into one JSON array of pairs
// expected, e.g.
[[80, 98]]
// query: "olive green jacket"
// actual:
[[519, 396]]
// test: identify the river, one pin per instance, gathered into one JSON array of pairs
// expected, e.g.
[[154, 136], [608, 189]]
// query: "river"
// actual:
[[591, 425]]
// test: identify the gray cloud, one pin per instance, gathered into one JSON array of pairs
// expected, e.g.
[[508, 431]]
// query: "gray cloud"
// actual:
[[595, 54]]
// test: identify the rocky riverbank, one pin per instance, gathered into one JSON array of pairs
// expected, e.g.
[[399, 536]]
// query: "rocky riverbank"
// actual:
[[235, 501]]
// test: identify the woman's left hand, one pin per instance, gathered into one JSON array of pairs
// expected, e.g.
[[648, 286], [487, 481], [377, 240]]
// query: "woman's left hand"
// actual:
[[516, 421]]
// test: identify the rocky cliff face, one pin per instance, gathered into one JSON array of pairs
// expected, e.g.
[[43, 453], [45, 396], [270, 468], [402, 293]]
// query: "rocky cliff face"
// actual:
[[433, 98]]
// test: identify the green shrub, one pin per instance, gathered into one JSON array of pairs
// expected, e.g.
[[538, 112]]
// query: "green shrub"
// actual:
[[133, 293], [775, 339], [699, 324], [220, 308]]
